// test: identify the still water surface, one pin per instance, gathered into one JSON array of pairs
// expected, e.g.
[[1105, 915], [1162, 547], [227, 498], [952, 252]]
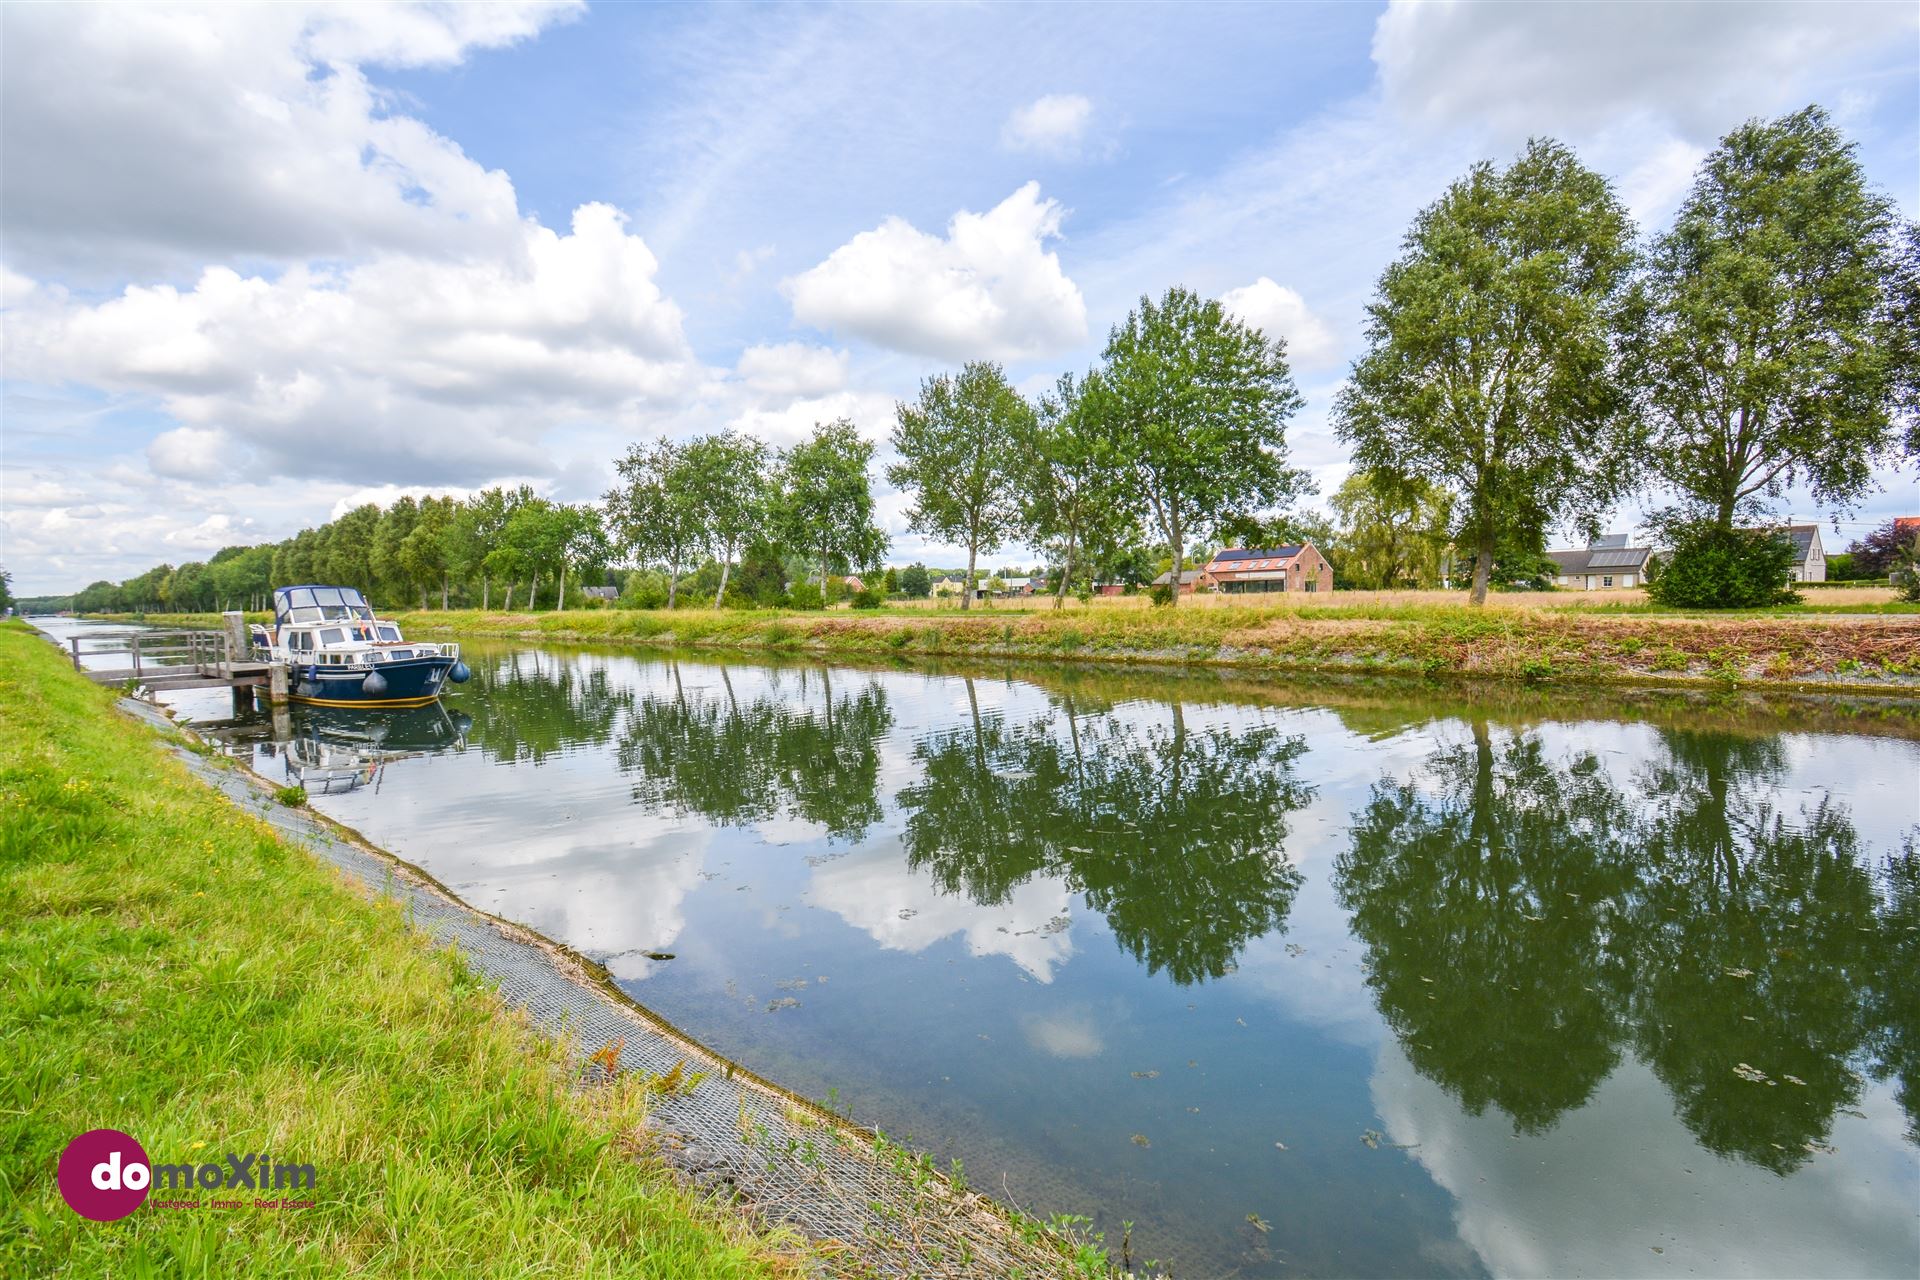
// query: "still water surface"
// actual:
[[1335, 983]]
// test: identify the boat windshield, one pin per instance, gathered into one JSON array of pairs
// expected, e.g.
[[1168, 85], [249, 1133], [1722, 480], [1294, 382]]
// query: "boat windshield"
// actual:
[[319, 604]]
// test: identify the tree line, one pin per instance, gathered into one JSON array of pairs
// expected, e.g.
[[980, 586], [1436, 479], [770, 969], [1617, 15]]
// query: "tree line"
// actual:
[[1530, 363]]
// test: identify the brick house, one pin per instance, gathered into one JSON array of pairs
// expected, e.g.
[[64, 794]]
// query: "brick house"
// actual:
[[1243, 571]]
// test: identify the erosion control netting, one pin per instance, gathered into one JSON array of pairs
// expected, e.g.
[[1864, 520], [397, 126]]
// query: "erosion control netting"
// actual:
[[874, 1209]]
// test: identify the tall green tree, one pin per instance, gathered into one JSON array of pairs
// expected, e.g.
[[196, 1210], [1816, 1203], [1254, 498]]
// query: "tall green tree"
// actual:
[[1068, 501], [424, 553], [389, 536], [725, 478], [957, 446], [1762, 338], [654, 513], [825, 503], [1191, 408], [1492, 367], [474, 541], [581, 544], [349, 556]]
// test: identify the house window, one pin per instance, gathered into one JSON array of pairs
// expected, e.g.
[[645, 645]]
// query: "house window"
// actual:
[[1607, 581]]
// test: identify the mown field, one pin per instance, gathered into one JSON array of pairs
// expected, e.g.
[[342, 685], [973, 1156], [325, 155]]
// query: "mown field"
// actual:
[[172, 969]]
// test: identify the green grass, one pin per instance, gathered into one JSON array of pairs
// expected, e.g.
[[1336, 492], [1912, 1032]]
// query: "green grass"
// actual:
[[172, 969], [1566, 644]]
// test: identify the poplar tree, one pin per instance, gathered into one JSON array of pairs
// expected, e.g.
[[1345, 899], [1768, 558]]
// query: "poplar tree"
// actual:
[[1492, 367]]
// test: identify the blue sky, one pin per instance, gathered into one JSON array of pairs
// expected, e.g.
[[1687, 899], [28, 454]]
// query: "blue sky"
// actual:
[[260, 264]]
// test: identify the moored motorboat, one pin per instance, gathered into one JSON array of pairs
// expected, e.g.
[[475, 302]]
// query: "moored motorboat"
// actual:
[[338, 654]]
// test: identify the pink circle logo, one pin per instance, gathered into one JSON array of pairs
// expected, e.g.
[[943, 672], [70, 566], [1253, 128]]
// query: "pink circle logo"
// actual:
[[104, 1175]]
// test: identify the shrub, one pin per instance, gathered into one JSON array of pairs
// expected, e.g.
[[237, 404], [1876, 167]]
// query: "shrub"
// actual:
[[1714, 568], [645, 590], [805, 595], [869, 598], [1161, 594]]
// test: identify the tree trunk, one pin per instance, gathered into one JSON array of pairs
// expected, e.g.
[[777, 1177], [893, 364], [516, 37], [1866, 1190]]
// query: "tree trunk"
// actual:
[[1066, 576], [673, 583], [560, 606], [1482, 568], [533, 591], [726, 566], [508, 606], [486, 593], [966, 597], [1179, 559], [443, 591]]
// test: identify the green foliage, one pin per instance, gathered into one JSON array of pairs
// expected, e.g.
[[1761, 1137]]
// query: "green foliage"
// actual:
[[825, 502], [724, 478], [655, 510], [958, 445], [1491, 370], [1393, 532], [1190, 409], [869, 597], [916, 582], [1066, 480], [1763, 336], [806, 595], [1714, 568], [645, 589]]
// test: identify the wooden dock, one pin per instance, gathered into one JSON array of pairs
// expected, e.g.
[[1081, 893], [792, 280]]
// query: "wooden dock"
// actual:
[[162, 661]]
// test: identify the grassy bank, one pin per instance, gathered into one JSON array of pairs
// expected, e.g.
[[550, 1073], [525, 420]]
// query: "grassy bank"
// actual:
[[174, 970], [1551, 641], [1558, 645]]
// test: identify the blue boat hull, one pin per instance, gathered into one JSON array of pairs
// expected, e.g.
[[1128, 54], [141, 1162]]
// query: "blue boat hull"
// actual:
[[412, 682]]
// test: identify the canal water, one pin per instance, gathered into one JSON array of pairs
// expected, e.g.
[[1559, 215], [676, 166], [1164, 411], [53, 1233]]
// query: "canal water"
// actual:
[[1298, 978]]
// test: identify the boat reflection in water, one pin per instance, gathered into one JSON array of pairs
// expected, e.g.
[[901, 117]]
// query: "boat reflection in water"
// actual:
[[339, 749]]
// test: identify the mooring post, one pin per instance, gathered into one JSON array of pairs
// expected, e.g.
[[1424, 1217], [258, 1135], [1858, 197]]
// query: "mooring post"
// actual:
[[239, 647], [277, 683], [242, 700]]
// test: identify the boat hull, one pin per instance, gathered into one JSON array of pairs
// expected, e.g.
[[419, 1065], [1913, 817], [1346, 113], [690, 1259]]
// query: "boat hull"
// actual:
[[413, 682]]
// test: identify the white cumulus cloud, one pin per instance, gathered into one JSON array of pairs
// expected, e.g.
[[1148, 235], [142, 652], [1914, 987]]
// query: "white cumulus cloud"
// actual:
[[990, 288], [402, 369], [793, 369], [1702, 66], [1280, 312], [142, 139], [1055, 125]]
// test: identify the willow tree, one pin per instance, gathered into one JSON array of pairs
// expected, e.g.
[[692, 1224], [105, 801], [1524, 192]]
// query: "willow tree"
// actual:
[[1492, 367], [1769, 345], [1191, 407], [958, 445]]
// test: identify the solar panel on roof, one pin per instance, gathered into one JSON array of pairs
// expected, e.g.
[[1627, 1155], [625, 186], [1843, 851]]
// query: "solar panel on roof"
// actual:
[[1608, 541], [1625, 558]]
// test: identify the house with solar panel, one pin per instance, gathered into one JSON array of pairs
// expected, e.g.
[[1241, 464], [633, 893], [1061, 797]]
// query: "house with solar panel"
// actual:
[[1245, 570], [1809, 557], [1605, 564]]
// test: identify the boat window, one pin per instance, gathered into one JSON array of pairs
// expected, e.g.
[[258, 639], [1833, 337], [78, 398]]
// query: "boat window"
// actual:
[[398, 654], [300, 597], [327, 595], [351, 595], [332, 635], [389, 633]]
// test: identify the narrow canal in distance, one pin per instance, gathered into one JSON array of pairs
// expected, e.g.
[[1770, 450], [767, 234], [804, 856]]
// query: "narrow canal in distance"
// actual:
[[1340, 982]]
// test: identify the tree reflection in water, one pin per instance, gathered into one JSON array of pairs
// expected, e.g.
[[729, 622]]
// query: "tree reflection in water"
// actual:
[[1526, 922], [1174, 834], [815, 756], [534, 705]]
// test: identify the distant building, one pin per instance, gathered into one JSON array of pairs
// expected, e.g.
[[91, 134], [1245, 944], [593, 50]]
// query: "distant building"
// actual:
[[1191, 580], [1109, 588], [602, 593], [1809, 557], [854, 584], [1008, 587], [1258, 570], [949, 586], [1607, 563]]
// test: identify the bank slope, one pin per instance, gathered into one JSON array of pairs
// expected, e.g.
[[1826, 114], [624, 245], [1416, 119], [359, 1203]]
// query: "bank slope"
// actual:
[[173, 970]]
